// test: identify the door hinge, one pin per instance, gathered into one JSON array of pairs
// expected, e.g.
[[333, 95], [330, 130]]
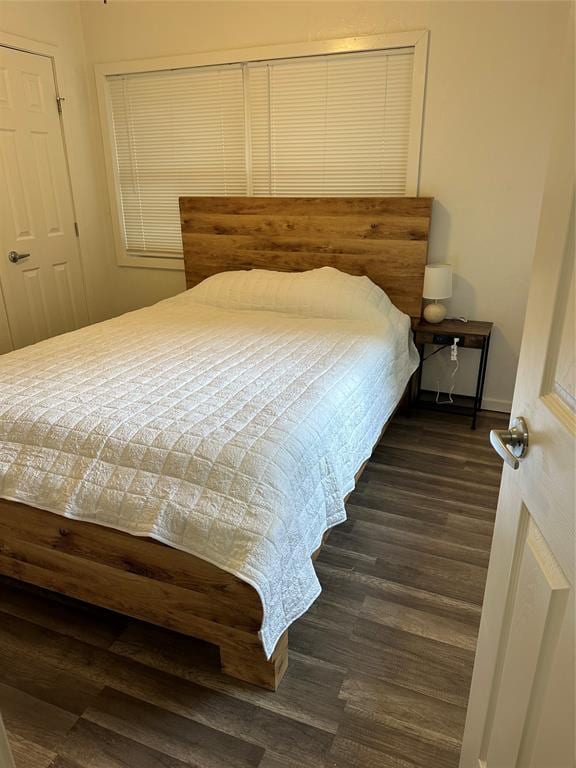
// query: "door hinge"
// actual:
[[59, 100], [76, 229]]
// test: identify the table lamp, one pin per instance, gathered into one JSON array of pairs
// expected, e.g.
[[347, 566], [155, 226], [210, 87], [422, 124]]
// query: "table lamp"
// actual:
[[437, 285]]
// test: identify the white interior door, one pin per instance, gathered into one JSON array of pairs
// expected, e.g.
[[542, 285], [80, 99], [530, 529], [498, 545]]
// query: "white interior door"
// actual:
[[43, 287], [521, 710]]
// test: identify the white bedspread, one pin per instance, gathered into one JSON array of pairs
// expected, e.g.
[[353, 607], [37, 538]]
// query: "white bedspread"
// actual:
[[233, 435]]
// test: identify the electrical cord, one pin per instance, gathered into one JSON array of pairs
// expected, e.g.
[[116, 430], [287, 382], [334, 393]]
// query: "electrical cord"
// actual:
[[450, 400], [431, 354], [454, 358]]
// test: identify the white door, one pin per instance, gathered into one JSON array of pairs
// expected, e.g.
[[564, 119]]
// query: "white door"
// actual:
[[521, 709], [43, 285]]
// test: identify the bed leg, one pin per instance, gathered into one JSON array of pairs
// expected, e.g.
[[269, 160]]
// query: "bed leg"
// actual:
[[250, 664]]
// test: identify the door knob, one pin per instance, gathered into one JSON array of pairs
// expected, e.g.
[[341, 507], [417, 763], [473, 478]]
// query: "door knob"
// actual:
[[511, 444], [15, 257]]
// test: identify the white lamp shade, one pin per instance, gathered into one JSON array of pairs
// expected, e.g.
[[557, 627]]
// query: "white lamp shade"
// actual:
[[437, 281]]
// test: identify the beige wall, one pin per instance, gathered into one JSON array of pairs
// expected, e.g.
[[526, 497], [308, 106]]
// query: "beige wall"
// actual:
[[59, 24], [484, 133]]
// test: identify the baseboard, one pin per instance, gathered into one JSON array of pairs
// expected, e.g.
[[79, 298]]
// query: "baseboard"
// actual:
[[493, 404]]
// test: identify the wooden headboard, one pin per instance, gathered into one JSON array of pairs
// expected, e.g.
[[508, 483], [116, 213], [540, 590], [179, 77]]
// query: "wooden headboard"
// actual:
[[385, 238]]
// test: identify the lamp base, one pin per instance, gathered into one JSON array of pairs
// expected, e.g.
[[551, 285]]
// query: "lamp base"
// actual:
[[434, 313]]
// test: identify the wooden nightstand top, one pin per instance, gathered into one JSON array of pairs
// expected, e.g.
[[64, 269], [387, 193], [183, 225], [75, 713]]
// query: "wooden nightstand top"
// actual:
[[472, 327]]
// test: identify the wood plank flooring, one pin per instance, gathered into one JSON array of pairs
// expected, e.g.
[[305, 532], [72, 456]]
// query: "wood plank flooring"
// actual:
[[380, 666]]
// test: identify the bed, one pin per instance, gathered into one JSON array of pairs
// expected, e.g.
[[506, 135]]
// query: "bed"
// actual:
[[183, 463]]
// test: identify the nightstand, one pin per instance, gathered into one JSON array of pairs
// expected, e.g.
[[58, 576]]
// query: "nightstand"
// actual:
[[472, 335]]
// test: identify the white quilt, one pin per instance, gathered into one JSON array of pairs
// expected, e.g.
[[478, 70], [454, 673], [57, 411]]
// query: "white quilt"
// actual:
[[230, 434]]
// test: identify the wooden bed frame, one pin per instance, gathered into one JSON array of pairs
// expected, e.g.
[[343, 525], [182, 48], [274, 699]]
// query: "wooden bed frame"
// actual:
[[384, 238]]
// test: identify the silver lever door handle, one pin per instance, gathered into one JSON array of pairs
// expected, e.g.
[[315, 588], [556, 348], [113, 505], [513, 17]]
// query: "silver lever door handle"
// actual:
[[511, 444], [15, 257]]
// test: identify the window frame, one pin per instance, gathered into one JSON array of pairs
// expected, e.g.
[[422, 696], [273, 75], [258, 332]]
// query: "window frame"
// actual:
[[416, 40]]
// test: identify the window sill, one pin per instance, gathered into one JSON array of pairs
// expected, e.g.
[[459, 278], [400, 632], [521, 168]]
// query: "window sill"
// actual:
[[175, 263]]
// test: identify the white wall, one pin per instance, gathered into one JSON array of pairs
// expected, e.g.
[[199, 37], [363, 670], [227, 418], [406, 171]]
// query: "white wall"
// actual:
[[59, 23]]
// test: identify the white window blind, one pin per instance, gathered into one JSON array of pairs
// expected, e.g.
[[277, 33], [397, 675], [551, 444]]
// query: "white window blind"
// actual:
[[331, 125], [320, 125], [177, 132]]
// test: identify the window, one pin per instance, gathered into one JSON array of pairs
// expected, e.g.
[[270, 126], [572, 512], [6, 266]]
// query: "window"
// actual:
[[175, 133], [331, 125], [301, 125]]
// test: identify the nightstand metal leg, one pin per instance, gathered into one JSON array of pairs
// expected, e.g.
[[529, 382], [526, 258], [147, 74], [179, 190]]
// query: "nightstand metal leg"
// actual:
[[419, 385], [486, 348], [481, 379], [416, 380]]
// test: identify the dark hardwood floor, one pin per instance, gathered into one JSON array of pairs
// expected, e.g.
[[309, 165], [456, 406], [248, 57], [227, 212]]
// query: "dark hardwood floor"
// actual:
[[380, 666]]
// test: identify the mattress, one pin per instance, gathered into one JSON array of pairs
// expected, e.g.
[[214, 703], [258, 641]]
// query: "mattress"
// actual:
[[230, 434]]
